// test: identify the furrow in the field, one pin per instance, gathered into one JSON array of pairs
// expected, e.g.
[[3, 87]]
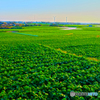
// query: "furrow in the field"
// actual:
[[88, 58]]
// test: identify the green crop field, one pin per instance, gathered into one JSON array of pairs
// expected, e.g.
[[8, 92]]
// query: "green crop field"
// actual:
[[47, 63]]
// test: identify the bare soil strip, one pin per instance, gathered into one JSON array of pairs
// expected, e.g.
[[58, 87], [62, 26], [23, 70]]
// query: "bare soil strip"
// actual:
[[70, 34], [65, 52], [98, 36], [88, 58]]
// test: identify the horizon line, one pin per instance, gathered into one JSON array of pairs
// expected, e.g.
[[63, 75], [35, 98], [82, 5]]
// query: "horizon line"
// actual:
[[44, 21]]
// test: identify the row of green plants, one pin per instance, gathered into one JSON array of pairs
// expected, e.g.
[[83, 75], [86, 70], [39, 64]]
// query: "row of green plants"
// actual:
[[92, 50], [35, 72], [81, 42]]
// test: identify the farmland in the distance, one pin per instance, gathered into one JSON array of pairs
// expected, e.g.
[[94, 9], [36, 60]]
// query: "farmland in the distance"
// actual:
[[50, 65]]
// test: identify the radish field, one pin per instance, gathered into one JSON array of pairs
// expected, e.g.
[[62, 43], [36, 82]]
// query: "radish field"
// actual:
[[47, 63]]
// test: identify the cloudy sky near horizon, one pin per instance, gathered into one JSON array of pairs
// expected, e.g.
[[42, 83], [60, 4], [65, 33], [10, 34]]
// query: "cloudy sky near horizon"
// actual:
[[44, 10]]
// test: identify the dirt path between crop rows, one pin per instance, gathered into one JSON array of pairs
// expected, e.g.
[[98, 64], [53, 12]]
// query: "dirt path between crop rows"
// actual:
[[65, 52], [88, 58]]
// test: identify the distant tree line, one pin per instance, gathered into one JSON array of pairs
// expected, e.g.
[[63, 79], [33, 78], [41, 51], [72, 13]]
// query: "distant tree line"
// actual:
[[10, 27]]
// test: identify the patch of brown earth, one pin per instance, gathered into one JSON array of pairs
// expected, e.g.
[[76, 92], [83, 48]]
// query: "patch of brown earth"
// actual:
[[98, 36], [70, 34], [61, 50], [8, 31], [88, 58], [94, 59]]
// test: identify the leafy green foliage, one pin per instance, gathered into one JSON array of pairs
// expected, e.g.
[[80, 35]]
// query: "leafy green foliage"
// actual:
[[32, 71]]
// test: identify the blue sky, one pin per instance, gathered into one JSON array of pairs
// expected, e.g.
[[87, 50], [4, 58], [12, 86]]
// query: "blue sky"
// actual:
[[44, 10]]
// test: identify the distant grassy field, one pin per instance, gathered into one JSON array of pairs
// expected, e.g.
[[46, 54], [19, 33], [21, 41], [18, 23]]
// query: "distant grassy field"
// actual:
[[84, 42], [49, 66]]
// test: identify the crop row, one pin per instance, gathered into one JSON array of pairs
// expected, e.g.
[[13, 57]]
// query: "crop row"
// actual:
[[31, 71]]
